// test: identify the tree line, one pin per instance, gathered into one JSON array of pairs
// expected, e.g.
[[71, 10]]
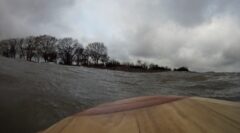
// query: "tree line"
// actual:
[[69, 51]]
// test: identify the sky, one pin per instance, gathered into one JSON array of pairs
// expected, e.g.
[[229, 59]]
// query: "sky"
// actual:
[[203, 35]]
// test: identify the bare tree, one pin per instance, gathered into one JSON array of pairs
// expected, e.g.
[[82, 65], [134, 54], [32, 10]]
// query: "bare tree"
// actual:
[[79, 53], [96, 51], [85, 58], [4, 48], [104, 58], [113, 63], [30, 47], [12, 49], [21, 47], [8, 48], [46, 47], [66, 50]]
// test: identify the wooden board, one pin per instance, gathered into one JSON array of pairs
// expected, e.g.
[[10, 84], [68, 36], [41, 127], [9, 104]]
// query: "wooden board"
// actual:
[[155, 114]]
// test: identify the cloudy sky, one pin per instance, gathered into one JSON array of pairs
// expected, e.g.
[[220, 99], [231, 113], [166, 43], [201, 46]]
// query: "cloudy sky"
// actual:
[[203, 35]]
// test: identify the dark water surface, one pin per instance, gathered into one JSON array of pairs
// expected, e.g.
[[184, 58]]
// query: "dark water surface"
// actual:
[[34, 96]]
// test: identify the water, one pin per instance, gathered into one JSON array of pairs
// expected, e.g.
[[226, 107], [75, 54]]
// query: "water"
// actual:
[[34, 96]]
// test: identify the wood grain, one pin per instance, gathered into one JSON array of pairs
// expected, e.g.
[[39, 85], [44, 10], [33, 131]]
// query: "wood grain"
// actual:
[[155, 115]]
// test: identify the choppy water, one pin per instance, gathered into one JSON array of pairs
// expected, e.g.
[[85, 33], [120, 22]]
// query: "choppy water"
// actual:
[[34, 96]]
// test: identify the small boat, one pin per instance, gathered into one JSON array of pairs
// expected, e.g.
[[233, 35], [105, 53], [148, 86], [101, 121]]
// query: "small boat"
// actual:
[[155, 114]]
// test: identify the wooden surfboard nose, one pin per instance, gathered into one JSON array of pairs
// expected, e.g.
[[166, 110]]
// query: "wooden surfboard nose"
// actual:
[[130, 104], [155, 114]]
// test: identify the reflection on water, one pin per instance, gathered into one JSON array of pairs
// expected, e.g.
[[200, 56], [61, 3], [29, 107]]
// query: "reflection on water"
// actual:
[[34, 96]]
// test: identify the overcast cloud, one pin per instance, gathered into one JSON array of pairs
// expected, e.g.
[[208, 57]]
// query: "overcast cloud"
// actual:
[[203, 35]]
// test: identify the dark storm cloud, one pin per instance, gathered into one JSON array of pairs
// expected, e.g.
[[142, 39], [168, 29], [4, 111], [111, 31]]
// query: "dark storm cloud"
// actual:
[[37, 11], [21, 17], [198, 34], [201, 34], [187, 13]]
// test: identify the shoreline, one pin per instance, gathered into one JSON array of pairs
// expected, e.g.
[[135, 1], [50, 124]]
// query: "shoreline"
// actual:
[[128, 69]]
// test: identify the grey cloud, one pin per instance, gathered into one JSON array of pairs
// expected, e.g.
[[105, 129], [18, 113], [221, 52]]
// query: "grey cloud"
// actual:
[[37, 11], [201, 34], [22, 17], [187, 12], [231, 55]]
